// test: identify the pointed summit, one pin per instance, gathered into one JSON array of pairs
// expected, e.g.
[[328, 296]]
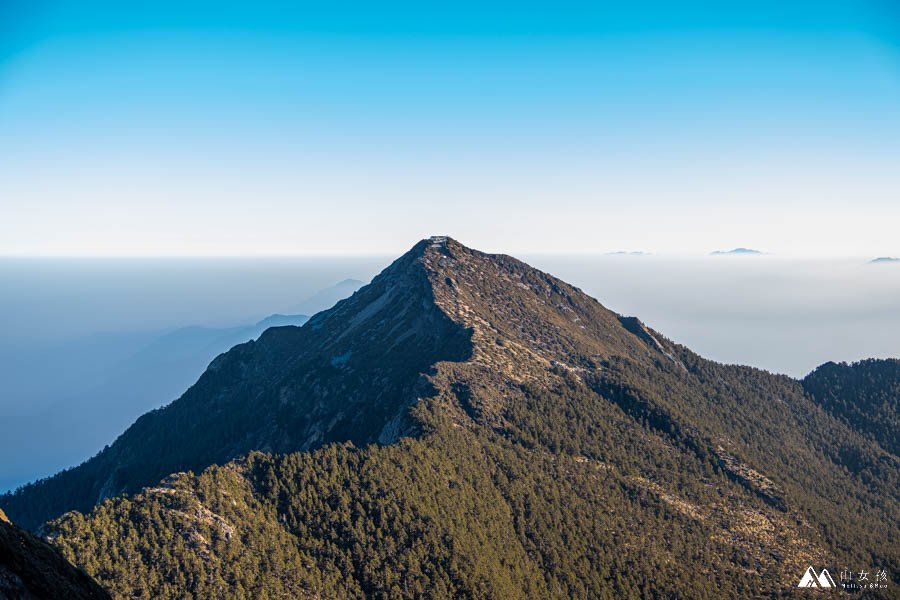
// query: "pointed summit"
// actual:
[[440, 313]]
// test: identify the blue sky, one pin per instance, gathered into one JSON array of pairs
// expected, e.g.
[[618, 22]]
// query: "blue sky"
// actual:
[[209, 128]]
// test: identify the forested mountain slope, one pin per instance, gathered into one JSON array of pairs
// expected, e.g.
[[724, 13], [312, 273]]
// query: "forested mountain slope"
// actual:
[[488, 431], [864, 395]]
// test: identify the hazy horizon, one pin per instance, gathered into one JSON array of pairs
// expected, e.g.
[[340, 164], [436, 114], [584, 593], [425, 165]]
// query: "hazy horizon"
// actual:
[[159, 293], [724, 253]]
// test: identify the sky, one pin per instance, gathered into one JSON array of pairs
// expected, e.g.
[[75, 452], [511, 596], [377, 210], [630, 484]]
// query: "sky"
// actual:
[[345, 128]]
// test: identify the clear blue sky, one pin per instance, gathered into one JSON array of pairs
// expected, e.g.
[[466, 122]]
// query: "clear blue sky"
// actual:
[[215, 128]]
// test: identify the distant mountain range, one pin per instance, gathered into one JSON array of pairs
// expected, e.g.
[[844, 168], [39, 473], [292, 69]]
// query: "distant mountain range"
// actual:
[[885, 259], [327, 298], [467, 426]]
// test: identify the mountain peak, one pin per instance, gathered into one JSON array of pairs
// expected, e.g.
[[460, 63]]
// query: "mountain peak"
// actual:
[[440, 240], [522, 319], [434, 247], [439, 315], [515, 391]]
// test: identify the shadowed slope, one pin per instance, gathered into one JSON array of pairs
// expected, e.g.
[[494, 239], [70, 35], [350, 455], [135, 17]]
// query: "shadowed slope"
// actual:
[[32, 570], [865, 395]]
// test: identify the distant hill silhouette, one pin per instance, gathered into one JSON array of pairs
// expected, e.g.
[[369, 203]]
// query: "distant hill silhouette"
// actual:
[[884, 259], [327, 298], [737, 252]]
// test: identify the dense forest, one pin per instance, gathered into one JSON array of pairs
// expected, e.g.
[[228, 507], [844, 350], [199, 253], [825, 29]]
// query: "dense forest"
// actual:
[[452, 516], [467, 426], [864, 395]]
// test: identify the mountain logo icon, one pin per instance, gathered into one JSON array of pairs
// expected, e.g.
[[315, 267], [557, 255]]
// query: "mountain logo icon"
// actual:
[[811, 580]]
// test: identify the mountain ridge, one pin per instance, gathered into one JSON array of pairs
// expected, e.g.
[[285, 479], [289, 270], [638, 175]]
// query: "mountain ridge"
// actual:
[[454, 360]]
